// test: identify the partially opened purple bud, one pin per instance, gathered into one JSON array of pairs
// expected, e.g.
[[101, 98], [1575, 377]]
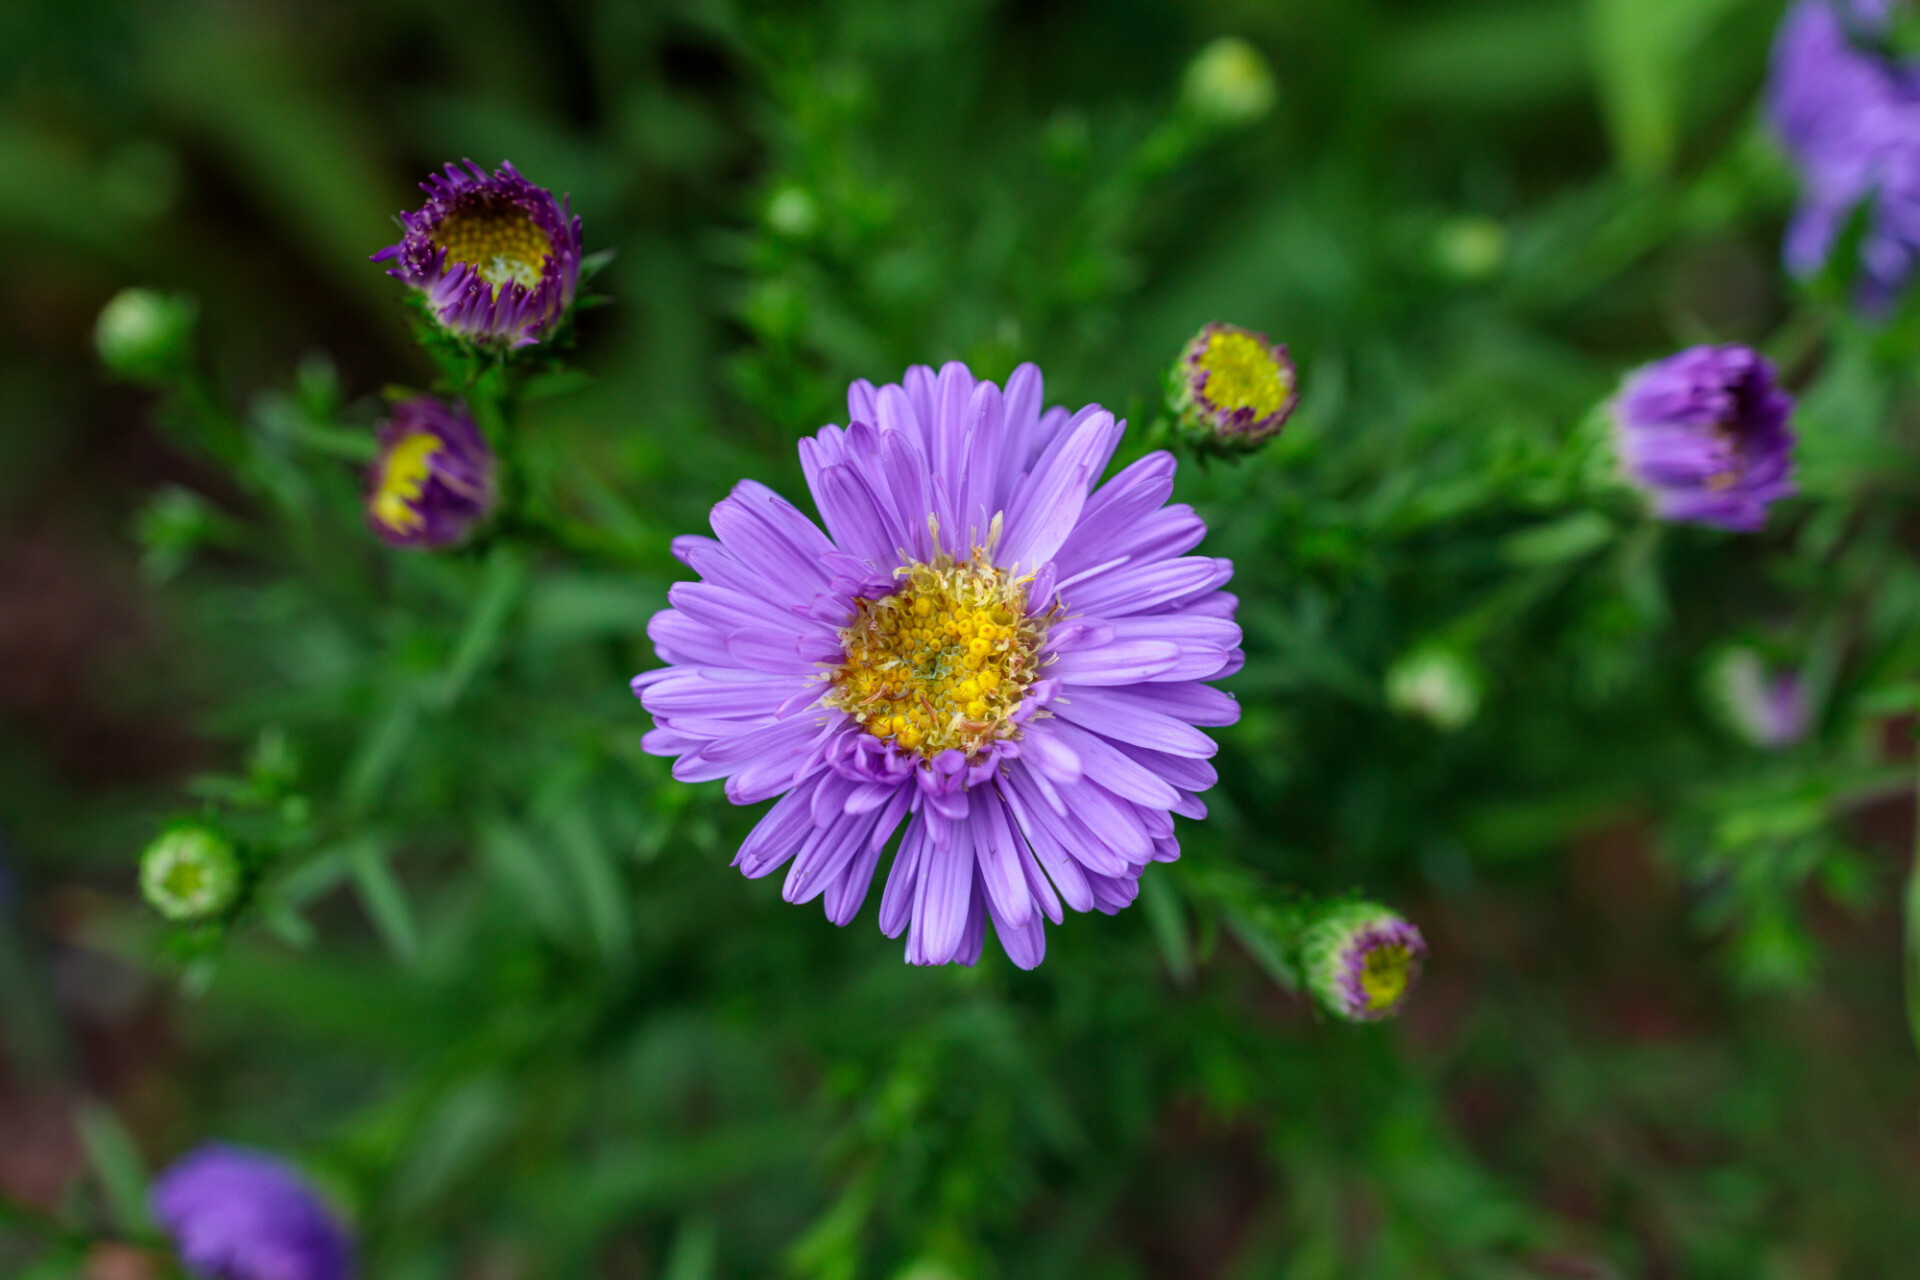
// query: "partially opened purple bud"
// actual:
[[235, 1214], [496, 258], [1360, 960], [1704, 435], [433, 479], [1232, 389]]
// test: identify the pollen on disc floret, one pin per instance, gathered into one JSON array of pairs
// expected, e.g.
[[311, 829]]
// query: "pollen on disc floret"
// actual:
[[943, 662]]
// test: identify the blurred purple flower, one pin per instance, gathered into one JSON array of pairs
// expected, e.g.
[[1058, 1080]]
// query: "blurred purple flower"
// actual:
[[235, 1214], [983, 645], [432, 480], [1704, 435], [1849, 114], [496, 258]]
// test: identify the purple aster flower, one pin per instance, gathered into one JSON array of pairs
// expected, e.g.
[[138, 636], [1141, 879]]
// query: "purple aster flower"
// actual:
[[432, 480], [987, 652], [1850, 116], [1360, 960], [1704, 435], [1232, 389], [243, 1215], [1767, 709], [496, 258]]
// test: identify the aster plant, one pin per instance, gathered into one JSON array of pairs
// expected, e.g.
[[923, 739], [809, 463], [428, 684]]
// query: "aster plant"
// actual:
[[987, 651], [495, 260]]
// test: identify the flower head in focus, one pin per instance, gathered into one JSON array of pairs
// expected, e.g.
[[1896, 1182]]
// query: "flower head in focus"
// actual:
[[235, 1214], [190, 872], [1360, 960], [1849, 114], [1703, 435], [495, 258], [432, 481], [986, 651], [1231, 389], [1764, 708]]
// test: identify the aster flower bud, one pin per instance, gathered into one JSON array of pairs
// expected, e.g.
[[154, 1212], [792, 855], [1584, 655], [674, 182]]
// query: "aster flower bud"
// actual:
[[146, 336], [190, 872], [1360, 960], [1437, 684], [235, 1214], [432, 482], [1229, 84], [1232, 390], [495, 258], [1703, 435], [1763, 708]]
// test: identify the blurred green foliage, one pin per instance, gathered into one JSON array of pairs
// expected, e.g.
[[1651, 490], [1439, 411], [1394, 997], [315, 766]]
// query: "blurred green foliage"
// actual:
[[498, 987]]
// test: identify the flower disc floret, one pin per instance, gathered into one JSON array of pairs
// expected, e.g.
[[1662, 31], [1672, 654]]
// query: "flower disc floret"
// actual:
[[1232, 389], [943, 663]]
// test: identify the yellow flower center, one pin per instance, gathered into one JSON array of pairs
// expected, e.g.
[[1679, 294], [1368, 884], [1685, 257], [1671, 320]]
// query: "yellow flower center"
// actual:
[[401, 480], [498, 240], [1384, 976], [1242, 374], [943, 662]]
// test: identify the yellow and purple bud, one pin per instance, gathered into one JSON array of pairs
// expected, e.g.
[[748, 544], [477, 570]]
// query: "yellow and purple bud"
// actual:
[[495, 258], [1360, 960], [432, 482], [1762, 707], [1232, 390], [190, 872]]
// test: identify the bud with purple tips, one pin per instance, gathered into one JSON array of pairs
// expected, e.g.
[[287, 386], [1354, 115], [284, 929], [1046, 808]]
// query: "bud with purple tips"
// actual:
[[433, 479], [1765, 708], [1703, 435], [1360, 960], [235, 1214], [496, 258], [1232, 389]]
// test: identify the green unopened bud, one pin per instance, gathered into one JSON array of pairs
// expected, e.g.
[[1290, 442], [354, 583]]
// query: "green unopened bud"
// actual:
[[1360, 960], [190, 872], [1229, 84], [793, 212], [146, 336], [1470, 247], [1436, 684]]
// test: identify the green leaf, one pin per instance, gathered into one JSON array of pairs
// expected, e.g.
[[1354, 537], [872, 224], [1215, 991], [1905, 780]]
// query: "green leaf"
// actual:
[[385, 899], [117, 1162]]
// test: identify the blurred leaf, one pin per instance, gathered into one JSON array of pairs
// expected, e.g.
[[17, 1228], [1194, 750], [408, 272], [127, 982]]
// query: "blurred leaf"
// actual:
[[117, 1163]]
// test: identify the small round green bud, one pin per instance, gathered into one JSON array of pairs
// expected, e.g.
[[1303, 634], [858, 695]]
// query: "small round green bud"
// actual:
[[190, 872], [1229, 84], [1436, 684], [1470, 247], [146, 336], [1360, 960], [793, 212]]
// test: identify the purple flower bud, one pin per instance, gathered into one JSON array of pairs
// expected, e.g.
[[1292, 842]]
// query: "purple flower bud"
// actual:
[[1360, 960], [1849, 115], [242, 1215], [1767, 709], [433, 479], [496, 258], [1703, 434], [1232, 389]]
